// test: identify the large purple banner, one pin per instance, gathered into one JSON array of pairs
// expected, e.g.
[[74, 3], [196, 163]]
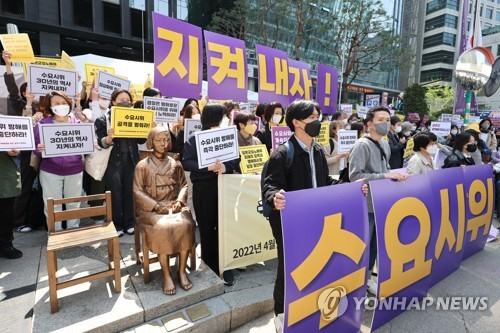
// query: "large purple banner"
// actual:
[[326, 90], [299, 78], [273, 75], [325, 233], [178, 57], [226, 67]]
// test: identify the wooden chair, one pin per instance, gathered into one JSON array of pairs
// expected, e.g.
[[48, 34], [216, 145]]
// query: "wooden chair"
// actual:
[[146, 259], [59, 240]]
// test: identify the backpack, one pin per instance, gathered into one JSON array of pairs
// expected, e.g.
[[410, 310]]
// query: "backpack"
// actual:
[[264, 208]]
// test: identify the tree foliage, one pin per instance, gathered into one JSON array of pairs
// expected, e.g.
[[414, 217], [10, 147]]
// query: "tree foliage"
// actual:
[[414, 100], [440, 100]]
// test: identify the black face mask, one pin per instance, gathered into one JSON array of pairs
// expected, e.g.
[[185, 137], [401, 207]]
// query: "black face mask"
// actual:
[[471, 148], [124, 104], [313, 128]]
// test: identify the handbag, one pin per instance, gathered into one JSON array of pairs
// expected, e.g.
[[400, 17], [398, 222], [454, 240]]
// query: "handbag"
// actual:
[[97, 162]]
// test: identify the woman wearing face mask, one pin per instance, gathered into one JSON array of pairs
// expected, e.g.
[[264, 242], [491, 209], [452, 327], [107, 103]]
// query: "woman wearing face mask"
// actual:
[[119, 174], [424, 149], [335, 161], [450, 140], [487, 134], [60, 177], [191, 111], [273, 115], [465, 145], [397, 144]]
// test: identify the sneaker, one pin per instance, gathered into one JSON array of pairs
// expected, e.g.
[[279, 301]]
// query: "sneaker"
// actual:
[[371, 287], [228, 278], [120, 233], [24, 228], [10, 252], [278, 323], [130, 231]]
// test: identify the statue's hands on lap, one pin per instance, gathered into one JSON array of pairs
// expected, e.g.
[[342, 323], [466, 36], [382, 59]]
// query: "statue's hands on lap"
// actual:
[[161, 209], [177, 207]]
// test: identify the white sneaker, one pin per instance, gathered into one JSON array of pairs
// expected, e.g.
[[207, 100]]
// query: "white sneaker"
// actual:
[[371, 287], [279, 322]]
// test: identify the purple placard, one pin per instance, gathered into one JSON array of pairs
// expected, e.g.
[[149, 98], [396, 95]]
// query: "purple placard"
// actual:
[[413, 117], [403, 215], [448, 190], [279, 135], [326, 273], [226, 67], [299, 80], [258, 122], [178, 57], [273, 80], [327, 88], [479, 184]]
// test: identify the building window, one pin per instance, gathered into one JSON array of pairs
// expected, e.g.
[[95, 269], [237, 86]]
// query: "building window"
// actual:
[[440, 74], [445, 57], [436, 5], [138, 18], [112, 17], [497, 16], [489, 14], [443, 38], [13, 7], [161, 6], [82, 13], [498, 50], [445, 20]]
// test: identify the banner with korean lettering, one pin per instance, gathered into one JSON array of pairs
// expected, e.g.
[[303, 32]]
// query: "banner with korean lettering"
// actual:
[[131, 123], [253, 158], [19, 46], [273, 75], [167, 110], [16, 133], [245, 237], [326, 89], [66, 140], [108, 82], [43, 80], [178, 57], [217, 144], [227, 74], [327, 272], [299, 80], [279, 135], [191, 126]]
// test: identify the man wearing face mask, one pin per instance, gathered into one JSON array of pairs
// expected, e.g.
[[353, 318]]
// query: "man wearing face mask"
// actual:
[[369, 160], [396, 144]]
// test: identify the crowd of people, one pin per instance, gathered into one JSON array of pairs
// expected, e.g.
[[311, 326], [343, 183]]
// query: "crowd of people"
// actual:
[[164, 183]]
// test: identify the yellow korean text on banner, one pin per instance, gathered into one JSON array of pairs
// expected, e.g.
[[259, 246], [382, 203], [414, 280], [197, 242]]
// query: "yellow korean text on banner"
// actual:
[[91, 73], [324, 134], [409, 148], [49, 62], [19, 46], [253, 158], [136, 90], [245, 237], [67, 62], [131, 123]]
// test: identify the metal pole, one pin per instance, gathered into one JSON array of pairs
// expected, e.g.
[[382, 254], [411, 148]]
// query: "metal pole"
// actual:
[[142, 27], [468, 100]]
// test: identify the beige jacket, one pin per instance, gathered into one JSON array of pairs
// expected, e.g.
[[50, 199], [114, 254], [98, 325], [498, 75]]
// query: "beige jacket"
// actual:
[[333, 159], [419, 164]]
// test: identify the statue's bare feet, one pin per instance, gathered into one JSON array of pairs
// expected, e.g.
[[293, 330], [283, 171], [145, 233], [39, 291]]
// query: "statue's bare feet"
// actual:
[[168, 285], [185, 283]]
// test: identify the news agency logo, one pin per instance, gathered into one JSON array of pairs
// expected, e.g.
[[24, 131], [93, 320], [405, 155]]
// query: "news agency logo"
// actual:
[[332, 303]]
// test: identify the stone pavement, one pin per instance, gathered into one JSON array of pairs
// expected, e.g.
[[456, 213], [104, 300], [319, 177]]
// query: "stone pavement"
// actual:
[[244, 307]]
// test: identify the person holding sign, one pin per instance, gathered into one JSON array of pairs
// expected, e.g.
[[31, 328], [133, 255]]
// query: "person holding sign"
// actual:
[[421, 161], [396, 143], [160, 194], [245, 123], [119, 174], [333, 158], [61, 177], [191, 111], [273, 115], [205, 191]]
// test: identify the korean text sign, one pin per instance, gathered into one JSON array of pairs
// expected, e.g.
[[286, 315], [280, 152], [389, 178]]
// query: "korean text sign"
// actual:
[[19, 46], [107, 83], [299, 78], [43, 80], [440, 128], [216, 144], [16, 133], [346, 140], [280, 134], [323, 137], [167, 110], [65, 140], [178, 57], [191, 126], [326, 90], [273, 75], [253, 158], [131, 123]]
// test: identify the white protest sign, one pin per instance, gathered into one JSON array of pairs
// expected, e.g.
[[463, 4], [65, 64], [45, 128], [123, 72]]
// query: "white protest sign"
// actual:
[[363, 111], [346, 108], [16, 133], [217, 144], [372, 100], [253, 105], [446, 117], [484, 136], [245, 107], [43, 80], [456, 117], [346, 140], [167, 110], [191, 126], [107, 83], [440, 128], [474, 119], [64, 139]]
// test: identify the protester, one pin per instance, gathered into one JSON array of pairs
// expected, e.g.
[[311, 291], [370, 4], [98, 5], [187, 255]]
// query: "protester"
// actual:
[[273, 115], [424, 149], [309, 159], [122, 161], [334, 160], [396, 144], [61, 177], [151, 92], [191, 111], [353, 118], [359, 127], [487, 134], [406, 130], [205, 191], [450, 139], [482, 149], [231, 107], [465, 145], [259, 111], [245, 123], [10, 188], [369, 160]]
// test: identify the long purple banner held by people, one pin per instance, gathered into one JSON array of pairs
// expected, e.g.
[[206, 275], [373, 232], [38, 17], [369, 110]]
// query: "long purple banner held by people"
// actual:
[[325, 232], [178, 57]]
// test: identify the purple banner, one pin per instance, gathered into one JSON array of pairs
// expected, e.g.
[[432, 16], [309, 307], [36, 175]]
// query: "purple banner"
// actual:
[[327, 88], [273, 75], [480, 199], [279, 135], [299, 78], [226, 67], [178, 57], [325, 275], [403, 215]]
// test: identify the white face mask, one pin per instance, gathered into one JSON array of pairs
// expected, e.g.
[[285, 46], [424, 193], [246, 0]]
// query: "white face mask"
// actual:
[[407, 133], [454, 132], [398, 129], [344, 121], [276, 118], [103, 103], [196, 116], [224, 122], [60, 110], [432, 149]]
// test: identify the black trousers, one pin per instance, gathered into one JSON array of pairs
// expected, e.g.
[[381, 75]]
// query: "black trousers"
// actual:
[[205, 202], [22, 202], [119, 180], [6, 222], [279, 284]]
